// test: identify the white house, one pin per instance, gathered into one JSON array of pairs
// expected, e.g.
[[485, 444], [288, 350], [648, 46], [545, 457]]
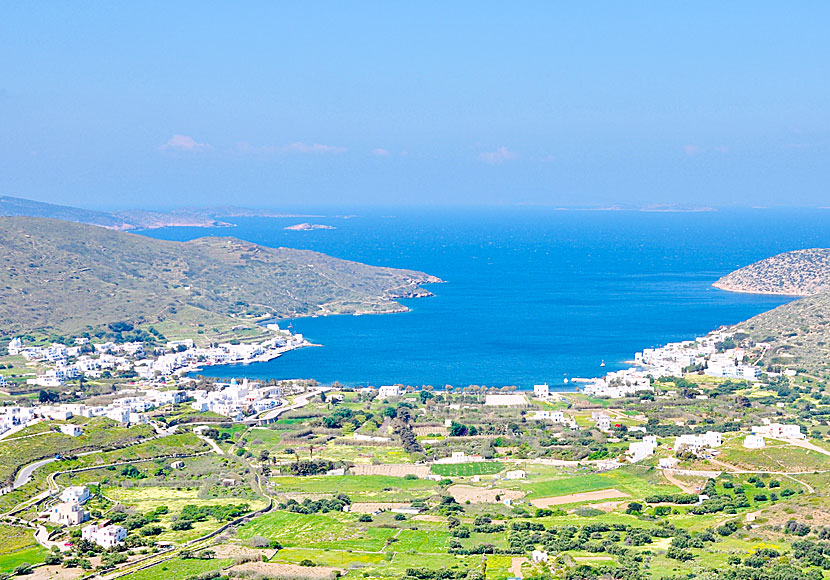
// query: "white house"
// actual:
[[387, 391], [105, 536], [70, 429], [76, 494], [754, 442], [603, 421], [541, 391], [779, 431], [515, 474], [554, 416], [539, 556], [697, 443], [15, 346], [639, 450]]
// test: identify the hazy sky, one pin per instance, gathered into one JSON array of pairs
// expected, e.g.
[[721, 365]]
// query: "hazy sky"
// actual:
[[274, 103]]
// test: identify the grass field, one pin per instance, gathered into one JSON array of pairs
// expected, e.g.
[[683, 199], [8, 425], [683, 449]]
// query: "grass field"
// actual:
[[179, 569], [776, 456], [18, 546], [550, 482], [301, 529], [467, 469], [145, 499], [360, 488]]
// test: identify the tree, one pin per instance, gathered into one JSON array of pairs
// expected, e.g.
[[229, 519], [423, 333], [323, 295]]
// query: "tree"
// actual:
[[634, 508], [45, 396]]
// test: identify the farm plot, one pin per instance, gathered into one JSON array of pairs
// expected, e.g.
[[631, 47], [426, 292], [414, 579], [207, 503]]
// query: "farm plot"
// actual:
[[360, 488], [178, 568], [393, 469], [544, 502], [278, 570], [467, 469], [464, 493]]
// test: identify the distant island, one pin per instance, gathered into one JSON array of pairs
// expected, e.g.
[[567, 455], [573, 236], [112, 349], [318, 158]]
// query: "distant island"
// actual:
[[305, 227], [137, 219], [62, 277]]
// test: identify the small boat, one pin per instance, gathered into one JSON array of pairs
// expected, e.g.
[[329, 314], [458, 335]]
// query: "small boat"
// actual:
[[602, 364]]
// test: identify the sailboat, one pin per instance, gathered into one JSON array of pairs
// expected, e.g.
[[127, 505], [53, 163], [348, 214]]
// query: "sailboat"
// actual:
[[602, 364]]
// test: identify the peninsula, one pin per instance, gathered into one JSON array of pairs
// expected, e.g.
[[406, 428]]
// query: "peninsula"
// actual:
[[136, 219], [63, 277], [797, 273]]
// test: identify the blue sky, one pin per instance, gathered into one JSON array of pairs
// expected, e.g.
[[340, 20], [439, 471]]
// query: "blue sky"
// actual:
[[270, 104]]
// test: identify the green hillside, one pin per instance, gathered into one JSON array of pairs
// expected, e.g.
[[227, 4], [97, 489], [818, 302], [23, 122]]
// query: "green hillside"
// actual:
[[65, 277]]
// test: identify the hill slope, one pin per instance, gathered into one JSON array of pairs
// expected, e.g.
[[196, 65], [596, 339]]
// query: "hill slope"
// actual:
[[63, 277], [16, 206], [798, 273], [798, 332]]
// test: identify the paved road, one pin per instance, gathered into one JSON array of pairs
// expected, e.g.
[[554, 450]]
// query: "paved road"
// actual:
[[212, 443], [25, 473]]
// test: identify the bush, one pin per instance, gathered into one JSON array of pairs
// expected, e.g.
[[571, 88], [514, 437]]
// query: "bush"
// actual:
[[180, 525], [259, 542], [727, 529], [364, 518]]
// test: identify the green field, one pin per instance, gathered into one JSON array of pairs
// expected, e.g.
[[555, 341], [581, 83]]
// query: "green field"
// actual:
[[18, 546], [467, 469], [636, 481], [179, 569], [360, 488]]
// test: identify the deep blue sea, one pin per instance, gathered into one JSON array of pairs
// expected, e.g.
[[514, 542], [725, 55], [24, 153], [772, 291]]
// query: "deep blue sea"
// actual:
[[531, 295]]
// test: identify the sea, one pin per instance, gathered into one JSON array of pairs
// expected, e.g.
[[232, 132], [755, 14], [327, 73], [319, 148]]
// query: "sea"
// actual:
[[530, 295]]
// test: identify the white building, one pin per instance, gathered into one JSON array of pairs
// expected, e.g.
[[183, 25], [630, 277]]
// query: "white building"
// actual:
[[779, 431], [697, 443], [70, 429], [15, 346], [754, 442], [553, 416], [76, 494], [602, 421], [539, 556], [105, 536], [541, 391], [639, 450], [387, 391], [515, 474]]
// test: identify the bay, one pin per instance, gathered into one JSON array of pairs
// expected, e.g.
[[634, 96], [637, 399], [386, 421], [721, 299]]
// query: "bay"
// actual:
[[531, 294]]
